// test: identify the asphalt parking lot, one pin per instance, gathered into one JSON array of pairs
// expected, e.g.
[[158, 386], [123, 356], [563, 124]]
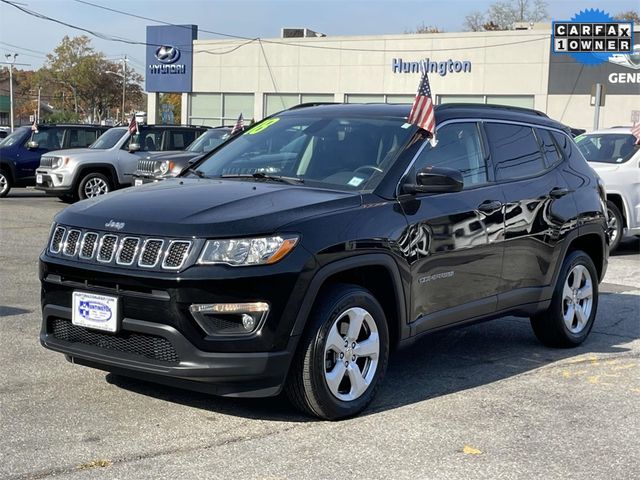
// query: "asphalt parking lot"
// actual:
[[483, 402]]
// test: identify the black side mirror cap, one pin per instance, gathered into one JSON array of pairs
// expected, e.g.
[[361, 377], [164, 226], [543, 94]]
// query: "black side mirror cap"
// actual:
[[436, 180]]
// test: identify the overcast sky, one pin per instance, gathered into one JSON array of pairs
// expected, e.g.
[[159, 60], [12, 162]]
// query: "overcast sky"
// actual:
[[36, 37]]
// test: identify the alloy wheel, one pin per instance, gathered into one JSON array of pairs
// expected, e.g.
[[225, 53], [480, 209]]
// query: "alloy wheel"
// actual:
[[95, 187], [577, 299], [612, 224], [4, 183], [351, 354]]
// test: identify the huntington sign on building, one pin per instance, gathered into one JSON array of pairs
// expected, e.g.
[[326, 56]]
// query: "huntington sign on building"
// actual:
[[223, 78]]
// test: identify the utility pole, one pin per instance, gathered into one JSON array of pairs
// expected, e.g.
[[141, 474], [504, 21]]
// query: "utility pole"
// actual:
[[38, 114], [124, 87], [11, 62]]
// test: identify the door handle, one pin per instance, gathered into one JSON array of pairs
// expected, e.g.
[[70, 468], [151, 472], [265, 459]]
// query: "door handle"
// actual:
[[490, 206], [559, 192]]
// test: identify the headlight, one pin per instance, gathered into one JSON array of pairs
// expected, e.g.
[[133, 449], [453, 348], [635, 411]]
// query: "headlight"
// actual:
[[247, 251], [166, 166], [59, 162]]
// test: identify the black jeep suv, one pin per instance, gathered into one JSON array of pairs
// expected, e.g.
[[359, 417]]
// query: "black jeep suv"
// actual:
[[300, 253]]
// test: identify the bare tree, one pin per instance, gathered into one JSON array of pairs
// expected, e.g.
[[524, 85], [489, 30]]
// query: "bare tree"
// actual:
[[631, 15], [422, 28], [501, 15]]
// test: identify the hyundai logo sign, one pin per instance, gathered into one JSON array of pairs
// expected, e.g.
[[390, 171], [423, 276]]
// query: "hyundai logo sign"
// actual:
[[167, 54]]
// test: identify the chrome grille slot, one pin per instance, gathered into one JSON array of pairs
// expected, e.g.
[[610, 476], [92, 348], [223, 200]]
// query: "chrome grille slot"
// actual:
[[150, 254], [127, 251], [107, 248], [176, 254], [88, 245], [71, 243], [47, 162], [56, 240], [146, 166]]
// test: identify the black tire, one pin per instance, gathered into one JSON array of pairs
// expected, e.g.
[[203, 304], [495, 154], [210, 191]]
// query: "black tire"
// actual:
[[550, 326], [616, 221], [5, 183], [307, 387], [88, 179], [67, 198]]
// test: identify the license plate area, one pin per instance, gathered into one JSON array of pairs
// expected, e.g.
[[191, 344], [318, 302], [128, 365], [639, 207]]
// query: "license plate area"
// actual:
[[137, 182], [38, 178], [96, 311]]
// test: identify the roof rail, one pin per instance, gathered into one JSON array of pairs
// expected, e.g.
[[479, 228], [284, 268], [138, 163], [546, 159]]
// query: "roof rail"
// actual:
[[529, 111], [311, 104]]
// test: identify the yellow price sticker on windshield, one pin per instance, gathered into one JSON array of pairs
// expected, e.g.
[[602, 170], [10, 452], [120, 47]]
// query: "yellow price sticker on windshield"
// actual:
[[262, 126]]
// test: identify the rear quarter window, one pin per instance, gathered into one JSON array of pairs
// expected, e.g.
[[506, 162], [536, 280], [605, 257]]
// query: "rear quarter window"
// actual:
[[551, 154], [514, 150]]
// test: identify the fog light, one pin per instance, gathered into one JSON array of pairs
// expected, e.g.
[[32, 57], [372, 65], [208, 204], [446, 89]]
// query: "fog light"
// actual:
[[248, 322], [230, 318]]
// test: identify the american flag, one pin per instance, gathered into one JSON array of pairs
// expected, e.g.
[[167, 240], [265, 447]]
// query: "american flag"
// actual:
[[239, 126], [133, 126], [422, 113], [34, 127], [636, 132]]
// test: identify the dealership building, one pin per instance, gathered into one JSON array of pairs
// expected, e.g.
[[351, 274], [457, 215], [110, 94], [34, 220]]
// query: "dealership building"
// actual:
[[219, 79]]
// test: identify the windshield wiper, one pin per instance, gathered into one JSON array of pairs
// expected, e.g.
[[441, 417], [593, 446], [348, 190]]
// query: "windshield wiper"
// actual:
[[196, 172], [264, 176]]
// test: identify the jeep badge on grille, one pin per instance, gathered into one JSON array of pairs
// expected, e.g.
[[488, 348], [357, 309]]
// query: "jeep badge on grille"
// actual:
[[113, 224]]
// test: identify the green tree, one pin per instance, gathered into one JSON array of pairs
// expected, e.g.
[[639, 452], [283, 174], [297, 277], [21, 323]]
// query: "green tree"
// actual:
[[77, 73], [502, 15]]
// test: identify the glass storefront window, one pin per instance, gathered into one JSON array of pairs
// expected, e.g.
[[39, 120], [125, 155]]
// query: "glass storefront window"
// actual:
[[220, 108], [274, 102], [526, 101]]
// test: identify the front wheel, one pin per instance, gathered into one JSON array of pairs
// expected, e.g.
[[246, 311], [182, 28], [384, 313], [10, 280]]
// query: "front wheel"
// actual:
[[574, 304], [93, 185], [5, 184], [343, 355], [615, 224]]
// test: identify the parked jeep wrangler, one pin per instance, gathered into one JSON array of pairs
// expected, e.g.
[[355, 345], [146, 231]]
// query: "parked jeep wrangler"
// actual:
[[110, 162], [302, 252]]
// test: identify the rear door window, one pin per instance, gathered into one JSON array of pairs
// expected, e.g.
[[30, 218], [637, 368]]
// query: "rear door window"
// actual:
[[551, 154], [514, 150], [80, 138]]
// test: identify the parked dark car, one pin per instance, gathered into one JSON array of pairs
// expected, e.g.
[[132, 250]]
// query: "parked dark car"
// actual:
[[20, 152], [171, 164], [301, 253]]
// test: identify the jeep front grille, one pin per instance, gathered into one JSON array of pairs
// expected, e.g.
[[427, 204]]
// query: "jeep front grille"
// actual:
[[88, 245], [47, 162], [120, 249], [146, 166], [56, 240], [71, 243]]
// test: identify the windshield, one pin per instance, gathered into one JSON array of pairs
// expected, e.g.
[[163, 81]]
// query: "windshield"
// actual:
[[13, 138], [607, 148], [346, 153], [108, 139], [209, 140]]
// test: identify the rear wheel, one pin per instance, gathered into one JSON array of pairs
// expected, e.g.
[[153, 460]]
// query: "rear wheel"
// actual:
[[615, 225], [342, 356], [574, 304], [93, 185], [5, 183]]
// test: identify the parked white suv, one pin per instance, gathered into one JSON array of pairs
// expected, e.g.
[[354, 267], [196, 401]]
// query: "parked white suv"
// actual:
[[614, 155]]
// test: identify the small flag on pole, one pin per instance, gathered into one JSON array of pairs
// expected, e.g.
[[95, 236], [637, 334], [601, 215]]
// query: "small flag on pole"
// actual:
[[636, 132], [422, 112], [239, 126], [133, 126]]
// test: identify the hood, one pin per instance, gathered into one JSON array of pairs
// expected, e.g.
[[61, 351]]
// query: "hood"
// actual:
[[206, 208], [71, 152], [173, 155]]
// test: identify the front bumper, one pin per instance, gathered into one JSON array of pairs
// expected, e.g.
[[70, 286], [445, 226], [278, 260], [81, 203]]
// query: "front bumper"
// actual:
[[167, 357], [54, 183], [141, 179]]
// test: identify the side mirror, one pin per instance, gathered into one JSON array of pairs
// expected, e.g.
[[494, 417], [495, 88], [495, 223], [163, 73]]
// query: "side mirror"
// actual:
[[32, 145], [436, 180], [134, 147]]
